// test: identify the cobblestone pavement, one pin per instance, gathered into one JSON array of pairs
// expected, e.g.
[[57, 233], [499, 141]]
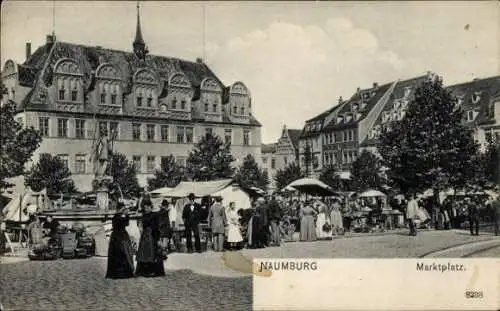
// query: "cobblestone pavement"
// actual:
[[193, 281]]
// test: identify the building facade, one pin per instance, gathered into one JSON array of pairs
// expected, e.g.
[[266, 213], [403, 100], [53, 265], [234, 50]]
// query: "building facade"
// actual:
[[338, 135], [154, 106], [279, 155]]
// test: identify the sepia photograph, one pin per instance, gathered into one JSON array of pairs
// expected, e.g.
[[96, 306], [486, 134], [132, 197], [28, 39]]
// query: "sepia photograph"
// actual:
[[253, 155]]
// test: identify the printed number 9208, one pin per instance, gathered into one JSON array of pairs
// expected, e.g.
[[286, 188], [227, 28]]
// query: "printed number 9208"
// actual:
[[474, 294]]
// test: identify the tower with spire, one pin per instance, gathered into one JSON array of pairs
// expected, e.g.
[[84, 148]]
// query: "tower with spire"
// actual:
[[139, 45]]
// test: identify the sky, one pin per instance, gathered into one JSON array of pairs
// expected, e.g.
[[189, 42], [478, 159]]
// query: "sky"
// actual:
[[296, 58]]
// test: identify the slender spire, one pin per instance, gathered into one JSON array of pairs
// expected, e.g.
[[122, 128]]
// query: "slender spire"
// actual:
[[139, 45]]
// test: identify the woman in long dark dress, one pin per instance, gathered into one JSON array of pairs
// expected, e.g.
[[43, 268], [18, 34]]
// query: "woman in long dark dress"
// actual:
[[149, 256], [120, 252]]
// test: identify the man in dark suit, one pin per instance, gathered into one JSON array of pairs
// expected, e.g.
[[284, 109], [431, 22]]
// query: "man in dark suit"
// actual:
[[191, 215], [473, 214]]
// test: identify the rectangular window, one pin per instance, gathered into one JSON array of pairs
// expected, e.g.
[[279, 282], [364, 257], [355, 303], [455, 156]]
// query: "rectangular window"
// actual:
[[80, 163], [43, 126], [113, 99], [136, 131], [150, 132], [62, 127], [113, 129], [209, 130], [264, 160], [61, 94], [103, 128], [273, 163], [79, 128], [150, 102], [183, 104], [164, 132], [488, 135], [228, 136], [74, 95], [286, 160], [65, 159], [246, 137], [150, 164], [214, 107], [103, 98], [139, 101], [470, 115], [180, 134], [206, 107], [136, 161], [345, 138], [350, 136]]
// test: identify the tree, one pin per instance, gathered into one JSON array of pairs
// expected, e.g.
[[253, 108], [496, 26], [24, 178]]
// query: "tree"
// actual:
[[490, 163], [170, 174], [210, 160], [365, 172], [430, 147], [17, 144], [288, 174], [50, 173], [250, 175], [330, 176], [124, 177]]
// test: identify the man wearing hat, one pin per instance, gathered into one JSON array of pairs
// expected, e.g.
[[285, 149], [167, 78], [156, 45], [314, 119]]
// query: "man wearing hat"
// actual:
[[191, 215], [473, 214]]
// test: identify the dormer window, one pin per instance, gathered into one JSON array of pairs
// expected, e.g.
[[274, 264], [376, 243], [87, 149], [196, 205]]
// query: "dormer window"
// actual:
[[62, 93], [407, 91], [354, 107], [363, 105], [476, 98]]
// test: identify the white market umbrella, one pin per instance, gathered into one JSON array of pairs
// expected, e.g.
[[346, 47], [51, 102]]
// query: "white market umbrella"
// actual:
[[312, 186], [371, 194]]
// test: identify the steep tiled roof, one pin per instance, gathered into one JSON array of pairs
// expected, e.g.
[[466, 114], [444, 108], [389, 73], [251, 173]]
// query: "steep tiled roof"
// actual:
[[268, 148], [465, 92], [42, 62], [476, 95], [294, 136], [314, 126], [367, 96]]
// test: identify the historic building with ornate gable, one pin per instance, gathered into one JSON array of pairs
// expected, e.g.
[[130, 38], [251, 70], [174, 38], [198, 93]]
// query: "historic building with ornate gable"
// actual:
[[277, 156], [155, 105]]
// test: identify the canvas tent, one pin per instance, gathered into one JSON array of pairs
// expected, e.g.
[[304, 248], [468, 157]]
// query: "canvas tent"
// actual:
[[22, 205]]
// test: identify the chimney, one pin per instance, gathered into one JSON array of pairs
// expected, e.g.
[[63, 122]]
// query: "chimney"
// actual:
[[341, 100], [28, 50], [199, 60], [358, 89], [375, 85]]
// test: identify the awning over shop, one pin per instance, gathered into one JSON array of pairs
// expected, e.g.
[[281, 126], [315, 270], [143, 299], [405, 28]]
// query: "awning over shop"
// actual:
[[199, 188]]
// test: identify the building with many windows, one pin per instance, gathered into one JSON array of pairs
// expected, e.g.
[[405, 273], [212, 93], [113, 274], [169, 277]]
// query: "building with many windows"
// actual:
[[339, 134], [154, 106]]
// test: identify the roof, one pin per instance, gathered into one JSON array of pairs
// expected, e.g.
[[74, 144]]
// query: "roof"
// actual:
[[294, 135], [314, 126], [358, 106], [473, 95], [477, 95], [37, 71], [268, 148]]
